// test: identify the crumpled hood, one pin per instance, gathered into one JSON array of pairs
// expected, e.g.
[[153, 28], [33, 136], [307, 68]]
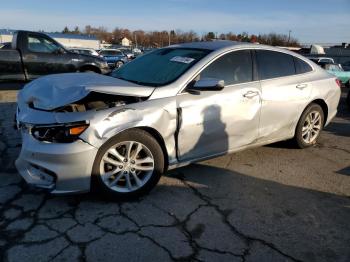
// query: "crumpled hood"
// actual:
[[54, 91]]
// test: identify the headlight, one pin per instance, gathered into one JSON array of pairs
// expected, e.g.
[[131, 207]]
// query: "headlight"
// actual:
[[58, 133]]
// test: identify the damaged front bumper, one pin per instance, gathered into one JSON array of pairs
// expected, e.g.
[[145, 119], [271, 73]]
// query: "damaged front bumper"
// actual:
[[61, 168]]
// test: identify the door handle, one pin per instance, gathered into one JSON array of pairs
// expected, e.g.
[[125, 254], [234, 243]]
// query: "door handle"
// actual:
[[301, 86], [251, 94]]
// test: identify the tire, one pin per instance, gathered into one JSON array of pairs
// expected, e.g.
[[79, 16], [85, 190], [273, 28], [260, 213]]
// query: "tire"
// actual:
[[119, 64], [89, 70], [306, 133], [128, 186]]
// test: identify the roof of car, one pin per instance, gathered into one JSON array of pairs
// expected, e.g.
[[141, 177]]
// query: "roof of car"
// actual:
[[211, 45], [81, 48]]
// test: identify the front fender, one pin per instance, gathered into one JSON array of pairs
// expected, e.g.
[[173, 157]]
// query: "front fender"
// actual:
[[158, 115]]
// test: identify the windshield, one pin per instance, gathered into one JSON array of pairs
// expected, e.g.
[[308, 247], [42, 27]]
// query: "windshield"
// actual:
[[160, 67], [110, 53], [335, 68]]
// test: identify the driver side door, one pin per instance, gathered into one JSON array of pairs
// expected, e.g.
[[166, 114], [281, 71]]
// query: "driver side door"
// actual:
[[215, 122], [43, 56]]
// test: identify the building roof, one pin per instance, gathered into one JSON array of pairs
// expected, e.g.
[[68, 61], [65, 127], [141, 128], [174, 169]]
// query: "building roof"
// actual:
[[7, 31], [54, 35], [72, 36]]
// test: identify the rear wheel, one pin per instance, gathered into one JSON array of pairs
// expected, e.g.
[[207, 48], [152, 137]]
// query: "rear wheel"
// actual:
[[309, 126], [128, 165]]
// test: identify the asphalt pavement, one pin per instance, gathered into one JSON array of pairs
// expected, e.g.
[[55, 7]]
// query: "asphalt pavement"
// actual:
[[273, 203]]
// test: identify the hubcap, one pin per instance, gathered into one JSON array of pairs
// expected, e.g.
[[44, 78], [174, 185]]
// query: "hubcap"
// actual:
[[126, 166], [312, 127]]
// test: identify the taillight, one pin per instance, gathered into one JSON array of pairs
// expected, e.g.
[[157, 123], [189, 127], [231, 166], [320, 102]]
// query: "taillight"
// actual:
[[338, 82]]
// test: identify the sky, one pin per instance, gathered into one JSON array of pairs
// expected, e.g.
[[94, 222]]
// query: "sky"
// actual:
[[310, 21]]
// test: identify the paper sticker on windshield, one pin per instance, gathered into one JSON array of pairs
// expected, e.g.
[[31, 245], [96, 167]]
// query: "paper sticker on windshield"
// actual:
[[182, 59]]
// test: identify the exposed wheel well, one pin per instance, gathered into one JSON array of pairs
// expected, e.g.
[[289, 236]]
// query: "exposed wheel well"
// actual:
[[324, 107], [90, 68], [153, 132]]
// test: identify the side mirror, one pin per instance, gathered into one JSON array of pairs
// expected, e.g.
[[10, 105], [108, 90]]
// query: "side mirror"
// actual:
[[209, 84], [60, 51]]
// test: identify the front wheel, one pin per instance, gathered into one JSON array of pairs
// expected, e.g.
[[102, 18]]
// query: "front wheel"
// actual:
[[309, 126], [128, 165]]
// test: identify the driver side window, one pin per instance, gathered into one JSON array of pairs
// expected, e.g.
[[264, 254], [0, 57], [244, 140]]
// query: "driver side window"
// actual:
[[40, 44], [234, 68]]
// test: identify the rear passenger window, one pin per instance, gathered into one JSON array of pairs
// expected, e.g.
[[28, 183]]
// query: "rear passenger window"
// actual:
[[273, 64], [233, 68], [301, 66]]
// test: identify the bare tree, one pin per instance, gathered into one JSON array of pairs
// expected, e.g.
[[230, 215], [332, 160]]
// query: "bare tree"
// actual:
[[161, 38]]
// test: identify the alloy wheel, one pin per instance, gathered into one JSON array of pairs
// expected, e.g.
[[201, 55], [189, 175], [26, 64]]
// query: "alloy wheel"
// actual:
[[126, 166], [311, 127]]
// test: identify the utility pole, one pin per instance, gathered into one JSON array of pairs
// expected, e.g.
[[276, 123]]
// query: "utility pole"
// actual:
[[169, 37], [289, 35], [135, 40]]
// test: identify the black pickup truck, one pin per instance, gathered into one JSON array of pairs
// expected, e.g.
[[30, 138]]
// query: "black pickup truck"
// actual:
[[34, 54]]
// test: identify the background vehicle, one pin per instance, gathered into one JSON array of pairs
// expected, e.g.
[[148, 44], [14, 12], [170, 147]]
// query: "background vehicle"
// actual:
[[128, 52], [85, 51], [120, 133], [336, 70], [137, 51], [36, 54], [114, 57], [321, 59]]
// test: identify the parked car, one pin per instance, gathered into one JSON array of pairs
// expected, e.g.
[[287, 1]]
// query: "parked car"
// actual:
[[128, 52], [321, 59], [336, 70], [36, 54], [174, 106], [137, 51], [85, 51], [114, 57]]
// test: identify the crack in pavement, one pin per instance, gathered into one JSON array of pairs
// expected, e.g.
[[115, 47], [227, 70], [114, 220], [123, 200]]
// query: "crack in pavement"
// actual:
[[246, 238]]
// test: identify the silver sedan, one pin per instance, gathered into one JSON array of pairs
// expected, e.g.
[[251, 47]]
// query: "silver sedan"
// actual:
[[118, 134]]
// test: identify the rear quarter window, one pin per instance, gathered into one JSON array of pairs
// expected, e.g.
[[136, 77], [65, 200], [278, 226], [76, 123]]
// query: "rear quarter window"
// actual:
[[301, 67], [272, 64]]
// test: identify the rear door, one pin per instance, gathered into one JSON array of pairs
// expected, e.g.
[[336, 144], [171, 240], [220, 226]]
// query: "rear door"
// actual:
[[43, 56], [11, 65], [285, 93], [215, 122]]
